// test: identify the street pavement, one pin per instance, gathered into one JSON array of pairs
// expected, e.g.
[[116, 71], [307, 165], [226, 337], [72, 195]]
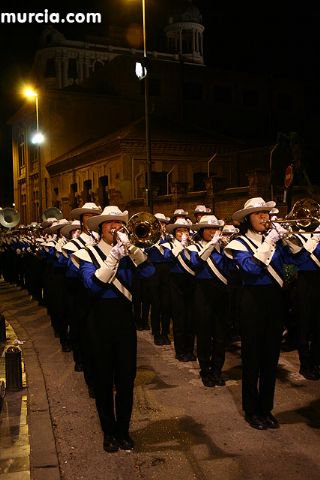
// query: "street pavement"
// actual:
[[182, 430]]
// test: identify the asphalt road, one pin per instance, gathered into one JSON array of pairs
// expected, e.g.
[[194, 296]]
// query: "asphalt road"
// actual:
[[182, 430]]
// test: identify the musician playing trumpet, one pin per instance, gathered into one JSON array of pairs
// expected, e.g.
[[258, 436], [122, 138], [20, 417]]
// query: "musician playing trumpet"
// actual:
[[107, 271], [181, 289], [212, 269], [260, 257]]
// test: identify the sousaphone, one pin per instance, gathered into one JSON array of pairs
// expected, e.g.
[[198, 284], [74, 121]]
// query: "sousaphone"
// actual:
[[52, 212], [9, 217]]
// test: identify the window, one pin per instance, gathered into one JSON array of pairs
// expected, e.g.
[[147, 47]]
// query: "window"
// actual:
[[72, 68], [87, 185], [50, 70], [159, 183], [198, 181], [33, 154], [21, 151], [187, 41]]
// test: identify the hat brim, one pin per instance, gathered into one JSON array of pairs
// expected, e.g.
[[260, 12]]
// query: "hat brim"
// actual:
[[173, 226], [77, 212], [54, 228], [68, 228], [241, 214], [94, 222], [198, 226]]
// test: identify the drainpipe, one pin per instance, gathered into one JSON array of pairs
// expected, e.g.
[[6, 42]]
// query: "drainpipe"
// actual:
[[168, 174], [209, 161]]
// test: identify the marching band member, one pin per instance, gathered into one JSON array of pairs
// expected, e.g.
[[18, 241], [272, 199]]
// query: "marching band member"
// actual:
[[260, 260], [78, 304], [212, 267], [308, 281], [199, 211], [159, 287], [181, 288], [107, 271]]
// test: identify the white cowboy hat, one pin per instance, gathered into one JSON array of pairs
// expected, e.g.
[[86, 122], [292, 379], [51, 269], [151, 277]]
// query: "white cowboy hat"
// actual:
[[109, 213], [179, 223], [202, 209], [88, 207], [71, 226], [58, 224], [230, 229], [162, 218], [179, 212], [208, 221], [256, 204]]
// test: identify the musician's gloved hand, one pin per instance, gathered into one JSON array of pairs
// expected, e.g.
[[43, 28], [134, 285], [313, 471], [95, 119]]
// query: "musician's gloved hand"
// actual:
[[184, 240], [316, 236], [117, 252], [205, 253], [276, 233], [123, 239], [215, 239]]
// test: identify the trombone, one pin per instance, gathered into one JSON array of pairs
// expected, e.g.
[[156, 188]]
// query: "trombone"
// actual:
[[143, 230], [304, 215]]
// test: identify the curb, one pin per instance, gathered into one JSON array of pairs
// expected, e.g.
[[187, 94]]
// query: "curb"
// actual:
[[44, 464]]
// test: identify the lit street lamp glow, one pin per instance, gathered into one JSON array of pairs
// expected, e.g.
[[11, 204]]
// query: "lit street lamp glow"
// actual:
[[37, 138]]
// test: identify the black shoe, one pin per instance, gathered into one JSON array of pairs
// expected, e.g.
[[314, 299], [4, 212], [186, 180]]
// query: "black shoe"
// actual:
[[78, 367], [310, 373], [91, 392], [270, 420], [191, 357], [208, 380], [125, 442], [158, 340], [110, 444], [182, 357], [218, 379], [66, 348], [166, 340], [255, 421]]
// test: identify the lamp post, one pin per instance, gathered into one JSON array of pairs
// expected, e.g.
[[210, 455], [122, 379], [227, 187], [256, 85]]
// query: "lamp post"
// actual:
[[142, 74], [36, 139]]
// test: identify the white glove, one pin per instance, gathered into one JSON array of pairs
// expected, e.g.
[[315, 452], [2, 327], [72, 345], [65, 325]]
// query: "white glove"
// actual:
[[205, 253], [184, 240], [276, 233], [118, 251], [123, 239], [316, 236], [215, 239]]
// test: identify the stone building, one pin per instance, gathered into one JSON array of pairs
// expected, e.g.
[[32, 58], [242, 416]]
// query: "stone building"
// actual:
[[212, 132]]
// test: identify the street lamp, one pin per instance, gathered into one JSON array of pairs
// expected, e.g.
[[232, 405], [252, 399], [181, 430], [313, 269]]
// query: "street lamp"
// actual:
[[142, 74], [37, 138]]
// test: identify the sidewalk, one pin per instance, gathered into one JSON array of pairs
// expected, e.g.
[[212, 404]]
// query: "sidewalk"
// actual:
[[182, 430]]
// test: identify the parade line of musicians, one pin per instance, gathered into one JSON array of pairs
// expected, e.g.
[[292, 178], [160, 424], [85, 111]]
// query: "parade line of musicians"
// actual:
[[211, 280]]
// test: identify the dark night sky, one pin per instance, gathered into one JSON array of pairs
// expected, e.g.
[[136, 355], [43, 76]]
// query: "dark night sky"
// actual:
[[261, 37]]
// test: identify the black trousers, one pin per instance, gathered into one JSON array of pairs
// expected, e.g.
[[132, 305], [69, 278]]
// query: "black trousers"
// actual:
[[182, 290], [113, 334], [308, 290], [211, 306], [261, 326], [160, 299]]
